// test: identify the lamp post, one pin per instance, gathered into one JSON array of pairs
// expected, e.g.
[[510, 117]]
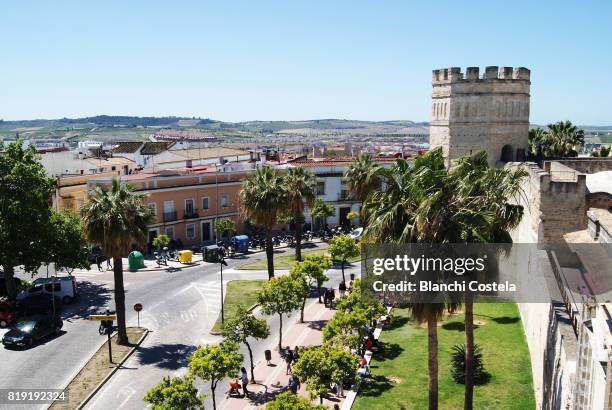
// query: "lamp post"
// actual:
[[221, 254]]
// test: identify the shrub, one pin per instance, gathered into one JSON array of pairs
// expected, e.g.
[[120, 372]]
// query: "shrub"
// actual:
[[481, 376]]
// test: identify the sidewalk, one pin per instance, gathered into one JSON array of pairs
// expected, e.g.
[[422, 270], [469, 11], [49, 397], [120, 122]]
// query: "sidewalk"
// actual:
[[272, 380]]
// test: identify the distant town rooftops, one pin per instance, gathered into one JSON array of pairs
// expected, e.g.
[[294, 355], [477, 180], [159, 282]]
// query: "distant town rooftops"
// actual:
[[337, 161], [187, 135], [154, 148], [126, 147], [214, 152]]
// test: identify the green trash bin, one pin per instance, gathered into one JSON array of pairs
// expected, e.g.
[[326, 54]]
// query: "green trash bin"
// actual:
[[135, 261]]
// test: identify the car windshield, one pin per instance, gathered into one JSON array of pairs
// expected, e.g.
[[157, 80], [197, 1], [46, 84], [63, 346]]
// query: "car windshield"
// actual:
[[26, 325]]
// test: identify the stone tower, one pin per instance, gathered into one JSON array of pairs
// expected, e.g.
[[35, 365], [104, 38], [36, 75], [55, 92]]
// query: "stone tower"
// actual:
[[470, 112]]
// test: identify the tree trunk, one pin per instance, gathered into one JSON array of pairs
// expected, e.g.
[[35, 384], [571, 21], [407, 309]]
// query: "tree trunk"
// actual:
[[270, 253], [343, 278], [11, 290], [252, 365], [280, 333], [469, 352], [302, 310], [298, 241], [122, 338], [432, 362], [319, 291], [212, 391]]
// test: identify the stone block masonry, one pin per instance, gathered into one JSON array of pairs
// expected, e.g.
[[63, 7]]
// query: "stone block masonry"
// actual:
[[470, 112]]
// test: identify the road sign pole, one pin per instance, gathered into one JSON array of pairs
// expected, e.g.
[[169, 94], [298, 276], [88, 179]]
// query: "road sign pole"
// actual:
[[222, 313], [110, 349], [138, 308]]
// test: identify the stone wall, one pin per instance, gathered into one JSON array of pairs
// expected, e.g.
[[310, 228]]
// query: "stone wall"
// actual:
[[553, 201], [471, 113], [589, 165]]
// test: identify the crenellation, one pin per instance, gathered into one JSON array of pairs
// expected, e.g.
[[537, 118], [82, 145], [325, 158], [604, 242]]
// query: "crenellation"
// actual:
[[491, 72], [506, 73], [454, 74], [521, 73]]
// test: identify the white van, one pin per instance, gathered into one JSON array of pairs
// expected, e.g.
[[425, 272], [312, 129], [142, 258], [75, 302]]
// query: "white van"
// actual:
[[61, 287]]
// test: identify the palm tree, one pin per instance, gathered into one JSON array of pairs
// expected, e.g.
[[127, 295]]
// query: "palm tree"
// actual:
[[362, 179], [411, 209], [428, 204], [563, 139], [301, 189], [116, 219], [262, 198], [481, 212], [537, 138]]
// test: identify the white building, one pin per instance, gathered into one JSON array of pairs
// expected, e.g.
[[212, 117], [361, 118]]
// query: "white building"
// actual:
[[332, 186]]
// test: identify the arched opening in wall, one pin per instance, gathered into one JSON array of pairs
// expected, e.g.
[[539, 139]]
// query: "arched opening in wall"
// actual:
[[507, 154]]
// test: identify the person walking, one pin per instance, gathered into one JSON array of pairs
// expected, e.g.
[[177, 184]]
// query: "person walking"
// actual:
[[244, 378], [109, 265], [342, 288], [99, 262], [296, 354], [288, 360], [294, 384]]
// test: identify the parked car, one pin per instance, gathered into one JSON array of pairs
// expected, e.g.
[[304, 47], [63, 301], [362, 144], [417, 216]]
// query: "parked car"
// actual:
[[8, 313], [41, 303], [62, 287], [30, 330]]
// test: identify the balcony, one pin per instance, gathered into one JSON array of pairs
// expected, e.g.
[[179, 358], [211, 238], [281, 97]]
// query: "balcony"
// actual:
[[190, 214], [170, 216]]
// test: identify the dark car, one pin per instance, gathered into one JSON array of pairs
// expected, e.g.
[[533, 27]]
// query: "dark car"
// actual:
[[30, 330], [41, 303]]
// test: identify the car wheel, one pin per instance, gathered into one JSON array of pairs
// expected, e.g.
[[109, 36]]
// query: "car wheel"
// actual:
[[66, 300]]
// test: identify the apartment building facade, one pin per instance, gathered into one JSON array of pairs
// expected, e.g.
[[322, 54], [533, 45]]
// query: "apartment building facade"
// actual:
[[185, 206], [333, 189]]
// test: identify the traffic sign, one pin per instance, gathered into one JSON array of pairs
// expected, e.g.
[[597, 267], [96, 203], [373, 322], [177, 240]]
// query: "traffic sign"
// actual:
[[138, 307], [102, 317]]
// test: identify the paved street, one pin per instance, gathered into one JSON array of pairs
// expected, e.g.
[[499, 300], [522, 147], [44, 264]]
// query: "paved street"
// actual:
[[179, 308]]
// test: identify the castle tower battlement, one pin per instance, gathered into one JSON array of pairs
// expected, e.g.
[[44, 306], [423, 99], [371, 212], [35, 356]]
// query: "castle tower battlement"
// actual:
[[471, 112], [454, 74]]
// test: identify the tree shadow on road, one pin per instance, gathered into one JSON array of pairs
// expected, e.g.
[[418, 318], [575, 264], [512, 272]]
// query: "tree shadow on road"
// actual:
[[165, 356], [93, 297]]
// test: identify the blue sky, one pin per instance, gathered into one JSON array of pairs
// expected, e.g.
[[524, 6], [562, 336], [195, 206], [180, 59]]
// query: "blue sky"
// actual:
[[291, 60]]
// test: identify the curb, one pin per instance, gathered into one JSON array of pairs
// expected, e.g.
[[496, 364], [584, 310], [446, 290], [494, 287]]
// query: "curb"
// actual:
[[108, 376], [101, 384]]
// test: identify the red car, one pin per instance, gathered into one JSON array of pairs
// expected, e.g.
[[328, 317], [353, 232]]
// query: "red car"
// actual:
[[8, 314]]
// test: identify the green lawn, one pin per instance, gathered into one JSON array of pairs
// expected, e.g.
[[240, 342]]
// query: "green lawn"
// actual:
[[399, 375], [285, 261], [239, 292]]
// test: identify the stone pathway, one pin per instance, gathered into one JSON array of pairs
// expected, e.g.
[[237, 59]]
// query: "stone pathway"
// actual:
[[272, 380]]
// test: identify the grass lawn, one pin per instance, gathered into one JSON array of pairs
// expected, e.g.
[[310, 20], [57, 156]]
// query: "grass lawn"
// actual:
[[285, 261], [399, 375], [238, 292]]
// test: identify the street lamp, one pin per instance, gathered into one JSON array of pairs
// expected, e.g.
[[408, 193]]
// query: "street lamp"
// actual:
[[221, 256]]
